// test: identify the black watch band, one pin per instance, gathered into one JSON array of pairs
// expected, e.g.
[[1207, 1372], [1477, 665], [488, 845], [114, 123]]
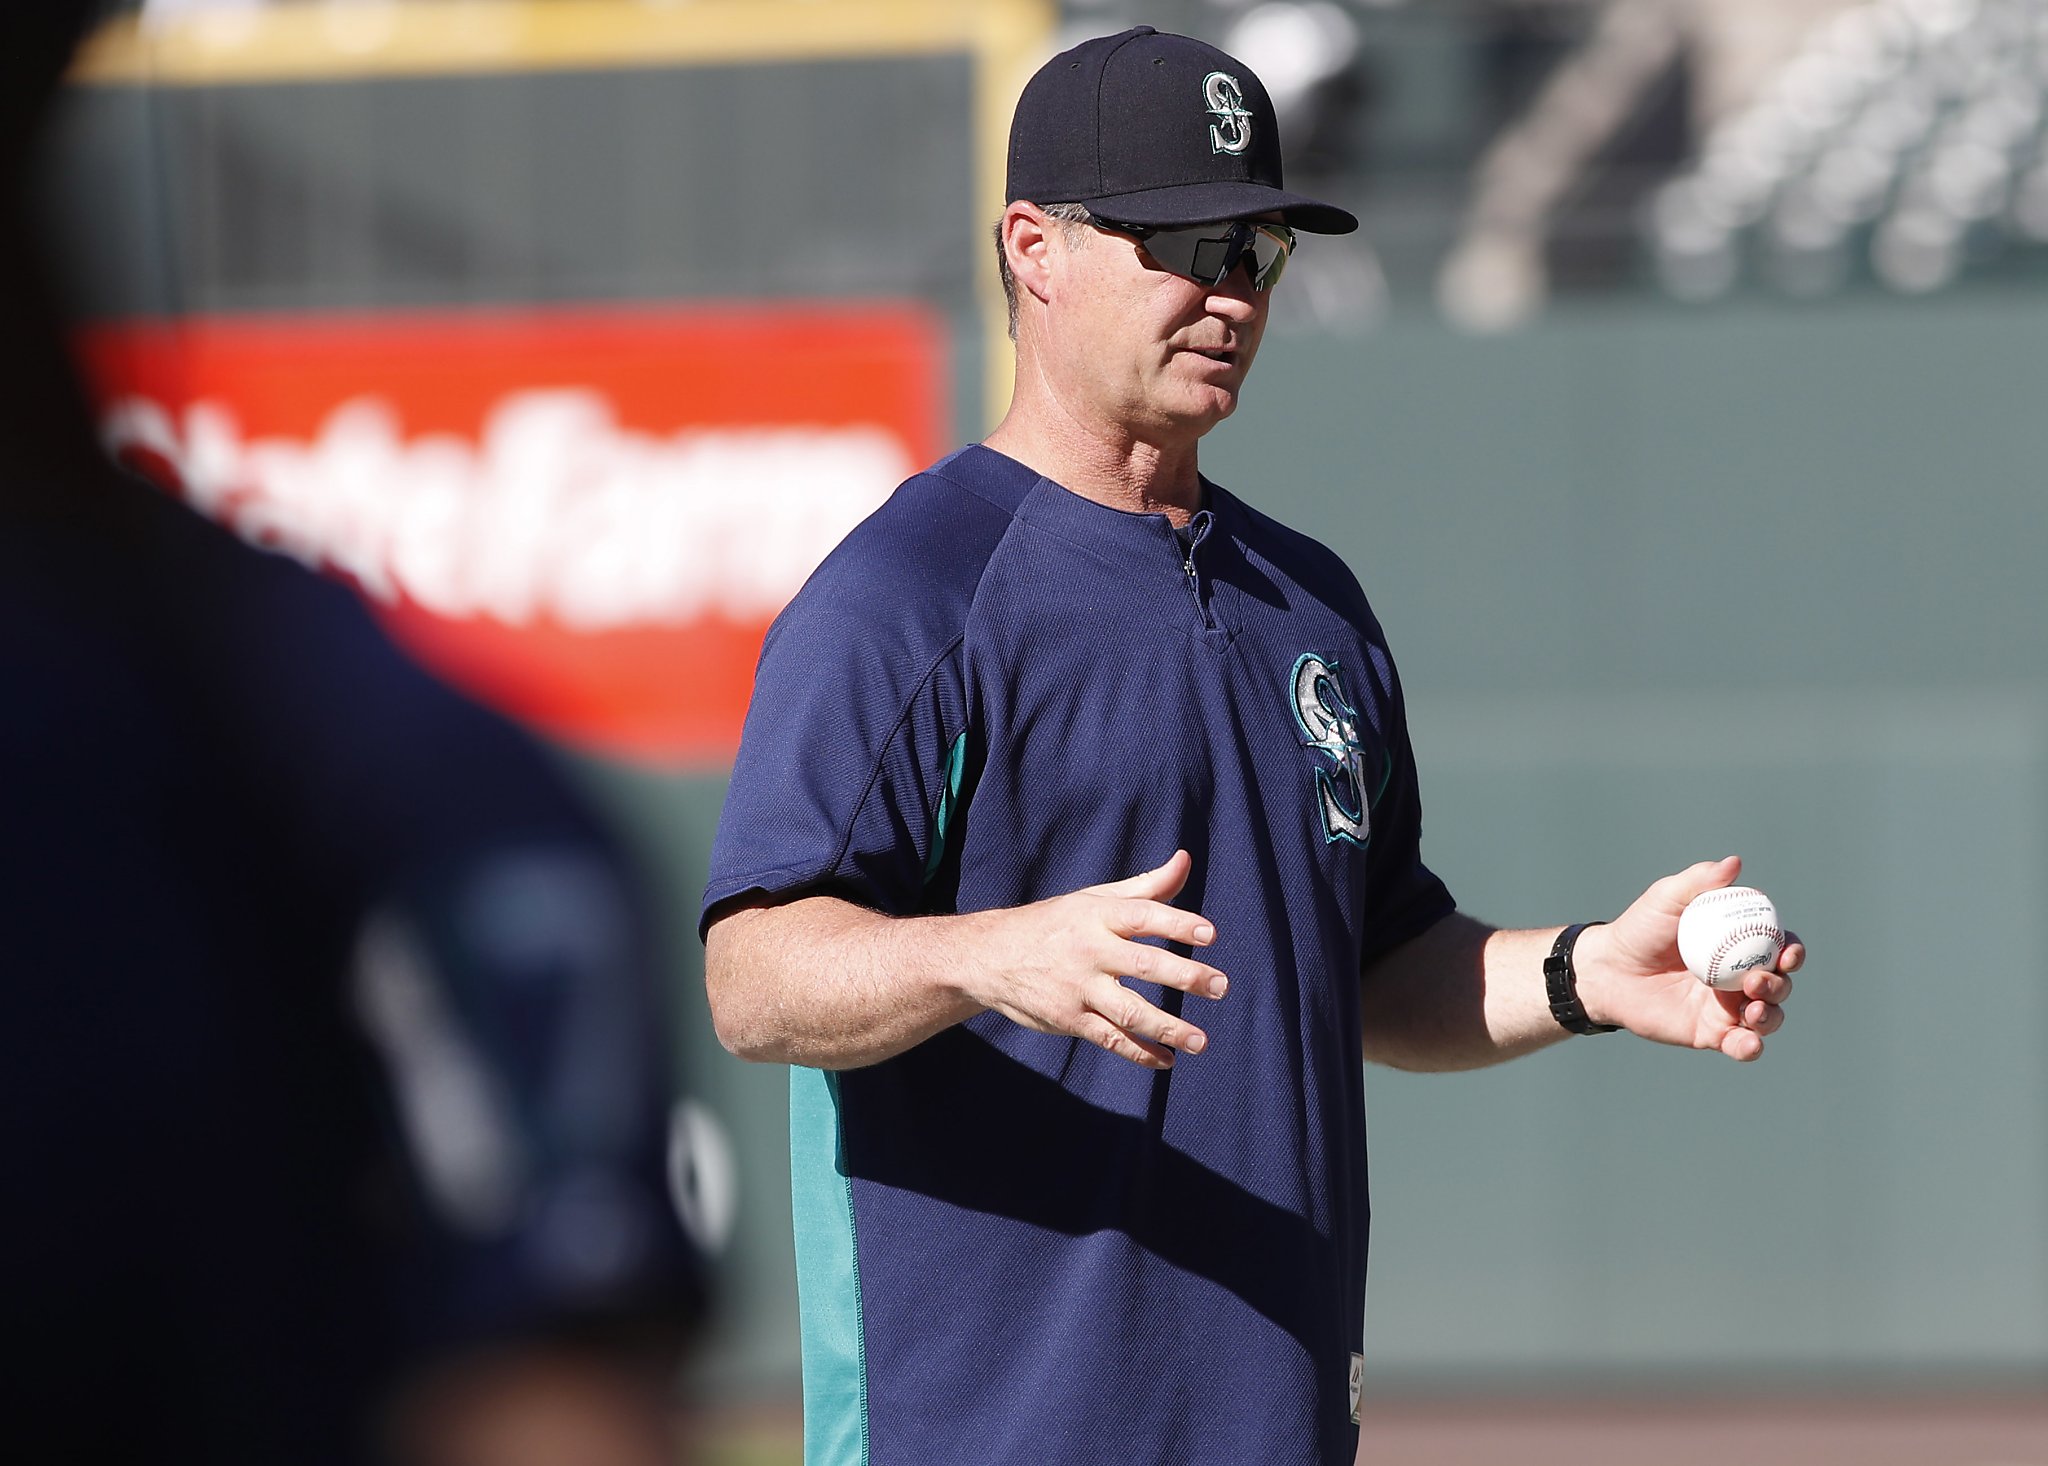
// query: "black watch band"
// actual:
[[1562, 981]]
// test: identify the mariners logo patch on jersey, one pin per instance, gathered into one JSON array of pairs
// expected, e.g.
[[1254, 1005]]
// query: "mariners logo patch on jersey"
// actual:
[[1232, 131], [1328, 721]]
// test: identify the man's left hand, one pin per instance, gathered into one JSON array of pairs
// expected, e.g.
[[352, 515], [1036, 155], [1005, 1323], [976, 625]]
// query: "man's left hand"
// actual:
[[1630, 973]]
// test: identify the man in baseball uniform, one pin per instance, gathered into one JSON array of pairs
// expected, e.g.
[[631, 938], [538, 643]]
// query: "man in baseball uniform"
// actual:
[[1072, 863]]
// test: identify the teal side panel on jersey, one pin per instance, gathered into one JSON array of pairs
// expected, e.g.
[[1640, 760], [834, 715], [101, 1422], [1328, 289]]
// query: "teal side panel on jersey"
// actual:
[[949, 803], [827, 1276]]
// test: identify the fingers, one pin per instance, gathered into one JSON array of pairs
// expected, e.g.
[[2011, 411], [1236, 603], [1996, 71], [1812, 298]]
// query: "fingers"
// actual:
[[1761, 1018], [1161, 883], [1134, 917], [1676, 892], [1142, 906], [1105, 933], [1766, 986], [1099, 1031], [1123, 1022], [1743, 1045], [1757, 1011], [1148, 1029], [1770, 983], [1168, 969]]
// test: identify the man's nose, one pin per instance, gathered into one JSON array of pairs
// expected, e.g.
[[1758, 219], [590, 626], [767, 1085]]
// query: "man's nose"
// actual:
[[1232, 297]]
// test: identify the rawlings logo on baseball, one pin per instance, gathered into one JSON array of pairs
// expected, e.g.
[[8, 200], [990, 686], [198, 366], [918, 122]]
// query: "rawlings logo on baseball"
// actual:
[[1725, 933]]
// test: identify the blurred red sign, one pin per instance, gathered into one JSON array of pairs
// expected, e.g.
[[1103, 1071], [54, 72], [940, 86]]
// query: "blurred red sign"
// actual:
[[586, 518]]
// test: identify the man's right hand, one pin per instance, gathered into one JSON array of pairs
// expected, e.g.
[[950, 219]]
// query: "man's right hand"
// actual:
[[819, 981], [1054, 965]]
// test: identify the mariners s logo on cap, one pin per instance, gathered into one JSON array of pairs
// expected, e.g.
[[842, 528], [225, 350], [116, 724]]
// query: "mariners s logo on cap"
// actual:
[[1232, 133], [1120, 123]]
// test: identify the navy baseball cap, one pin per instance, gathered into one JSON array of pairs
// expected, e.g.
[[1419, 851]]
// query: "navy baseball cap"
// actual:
[[1157, 130]]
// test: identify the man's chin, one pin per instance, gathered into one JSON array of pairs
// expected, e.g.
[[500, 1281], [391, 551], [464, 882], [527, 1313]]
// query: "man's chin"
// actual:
[[1188, 409], [1207, 406]]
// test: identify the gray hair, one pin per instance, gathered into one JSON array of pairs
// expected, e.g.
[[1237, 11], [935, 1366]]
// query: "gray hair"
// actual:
[[1071, 218]]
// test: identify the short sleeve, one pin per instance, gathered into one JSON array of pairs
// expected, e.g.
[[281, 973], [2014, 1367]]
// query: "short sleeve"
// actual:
[[849, 763], [1404, 897]]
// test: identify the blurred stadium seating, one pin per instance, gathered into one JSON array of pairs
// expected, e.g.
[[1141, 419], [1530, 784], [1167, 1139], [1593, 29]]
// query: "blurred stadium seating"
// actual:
[[1906, 142]]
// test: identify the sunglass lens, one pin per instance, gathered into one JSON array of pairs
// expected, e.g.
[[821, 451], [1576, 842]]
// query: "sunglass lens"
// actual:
[[1210, 259], [1271, 246], [1176, 250], [1206, 256]]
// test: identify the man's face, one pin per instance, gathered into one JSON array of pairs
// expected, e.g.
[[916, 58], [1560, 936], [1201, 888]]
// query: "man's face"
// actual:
[[1132, 346]]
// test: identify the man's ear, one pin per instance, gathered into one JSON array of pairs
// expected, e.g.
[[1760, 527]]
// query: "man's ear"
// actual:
[[1030, 242]]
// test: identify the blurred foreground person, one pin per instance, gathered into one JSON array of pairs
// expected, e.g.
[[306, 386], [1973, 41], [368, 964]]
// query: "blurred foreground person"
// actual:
[[333, 1071]]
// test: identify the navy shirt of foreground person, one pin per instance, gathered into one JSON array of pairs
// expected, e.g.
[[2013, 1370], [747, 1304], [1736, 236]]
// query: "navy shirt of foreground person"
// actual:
[[997, 691]]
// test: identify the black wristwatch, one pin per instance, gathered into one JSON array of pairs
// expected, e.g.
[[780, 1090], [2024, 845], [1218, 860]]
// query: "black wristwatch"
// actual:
[[1562, 980]]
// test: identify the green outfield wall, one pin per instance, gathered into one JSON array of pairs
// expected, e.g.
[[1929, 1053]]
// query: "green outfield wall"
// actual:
[[1665, 585]]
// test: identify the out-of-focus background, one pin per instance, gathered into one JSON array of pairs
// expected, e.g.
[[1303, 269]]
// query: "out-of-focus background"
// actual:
[[1682, 404]]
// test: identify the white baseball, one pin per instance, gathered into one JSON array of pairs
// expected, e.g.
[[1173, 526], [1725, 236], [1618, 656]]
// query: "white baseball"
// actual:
[[1724, 933]]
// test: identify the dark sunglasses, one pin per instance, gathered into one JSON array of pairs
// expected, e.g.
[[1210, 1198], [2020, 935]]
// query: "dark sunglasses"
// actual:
[[1207, 253]]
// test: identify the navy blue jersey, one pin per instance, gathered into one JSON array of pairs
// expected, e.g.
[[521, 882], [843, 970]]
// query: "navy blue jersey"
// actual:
[[1015, 1246]]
